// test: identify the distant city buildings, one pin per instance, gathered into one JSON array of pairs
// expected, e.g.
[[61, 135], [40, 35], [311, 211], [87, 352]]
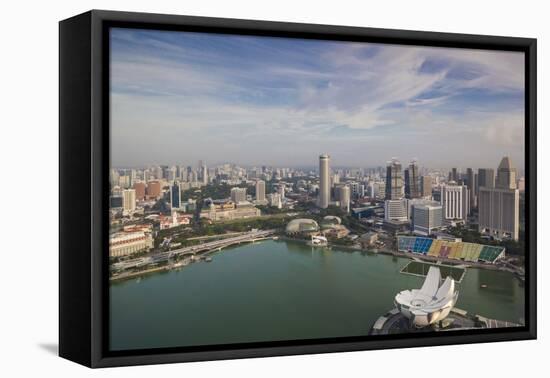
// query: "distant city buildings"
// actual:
[[499, 205]]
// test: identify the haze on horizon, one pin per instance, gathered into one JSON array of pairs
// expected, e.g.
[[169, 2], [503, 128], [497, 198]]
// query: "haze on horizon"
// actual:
[[180, 97]]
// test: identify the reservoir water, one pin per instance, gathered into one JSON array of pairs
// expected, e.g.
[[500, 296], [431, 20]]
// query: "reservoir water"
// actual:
[[280, 290]]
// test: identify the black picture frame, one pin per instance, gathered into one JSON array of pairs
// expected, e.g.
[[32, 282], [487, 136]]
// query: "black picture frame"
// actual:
[[83, 195]]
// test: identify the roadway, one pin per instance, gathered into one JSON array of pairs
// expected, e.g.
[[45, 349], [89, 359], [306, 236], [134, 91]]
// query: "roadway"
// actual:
[[191, 250]]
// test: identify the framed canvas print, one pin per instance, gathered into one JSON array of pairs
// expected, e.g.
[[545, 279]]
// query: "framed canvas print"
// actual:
[[234, 188]]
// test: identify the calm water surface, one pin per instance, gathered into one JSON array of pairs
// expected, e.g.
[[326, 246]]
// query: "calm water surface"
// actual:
[[277, 290]]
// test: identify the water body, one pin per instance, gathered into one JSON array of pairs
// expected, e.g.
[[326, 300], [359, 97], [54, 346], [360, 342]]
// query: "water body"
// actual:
[[278, 290]]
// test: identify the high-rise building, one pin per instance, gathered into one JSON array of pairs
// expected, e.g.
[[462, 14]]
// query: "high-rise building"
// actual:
[[153, 189], [455, 200], [343, 194], [499, 206], [426, 187], [204, 175], [129, 200], [411, 181], [471, 185], [260, 190], [281, 190], [238, 195], [324, 181], [139, 187], [506, 175], [396, 210], [394, 180], [485, 178], [453, 175], [426, 217], [275, 200], [175, 195]]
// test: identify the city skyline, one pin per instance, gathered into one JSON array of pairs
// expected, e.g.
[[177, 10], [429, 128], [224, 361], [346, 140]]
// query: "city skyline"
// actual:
[[176, 95]]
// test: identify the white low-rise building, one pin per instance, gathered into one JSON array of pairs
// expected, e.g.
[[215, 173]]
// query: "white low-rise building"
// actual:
[[128, 243]]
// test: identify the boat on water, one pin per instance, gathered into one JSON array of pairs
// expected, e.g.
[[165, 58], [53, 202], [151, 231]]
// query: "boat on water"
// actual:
[[318, 241], [208, 259]]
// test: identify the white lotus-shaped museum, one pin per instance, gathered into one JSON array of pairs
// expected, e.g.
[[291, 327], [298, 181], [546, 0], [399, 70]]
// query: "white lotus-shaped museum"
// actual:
[[431, 303]]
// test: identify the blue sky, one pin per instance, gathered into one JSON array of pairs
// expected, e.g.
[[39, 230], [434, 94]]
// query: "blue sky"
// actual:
[[179, 97]]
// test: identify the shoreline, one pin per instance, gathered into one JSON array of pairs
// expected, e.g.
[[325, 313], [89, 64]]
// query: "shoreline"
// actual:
[[412, 257]]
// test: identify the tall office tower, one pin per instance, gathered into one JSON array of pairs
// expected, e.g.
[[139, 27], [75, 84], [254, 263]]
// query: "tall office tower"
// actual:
[[153, 189], [394, 180], [343, 194], [471, 184], [132, 176], [426, 187], [171, 173], [158, 173], [506, 175], [204, 174], [175, 195], [453, 175], [411, 181], [335, 179], [281, 190], [139, 187], [455, 200], [129, 200], [114, 176], [485, 178], [426, 217], [324, 181], [499, 206], [260, 190], [238, 195]]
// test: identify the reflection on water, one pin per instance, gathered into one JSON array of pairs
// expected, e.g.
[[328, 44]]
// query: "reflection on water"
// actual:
[[277, 290]]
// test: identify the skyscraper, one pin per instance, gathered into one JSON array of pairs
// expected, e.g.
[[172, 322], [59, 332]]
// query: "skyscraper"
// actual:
[[426, 187], [139, 187], [411, 181], [455, 200], [260, 190], [499, 206], [343, 193], [129, 200], [324, 181], [470, 183], [506, 175], [485, 178], [175, 195], [394, 180], [204, 174]]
